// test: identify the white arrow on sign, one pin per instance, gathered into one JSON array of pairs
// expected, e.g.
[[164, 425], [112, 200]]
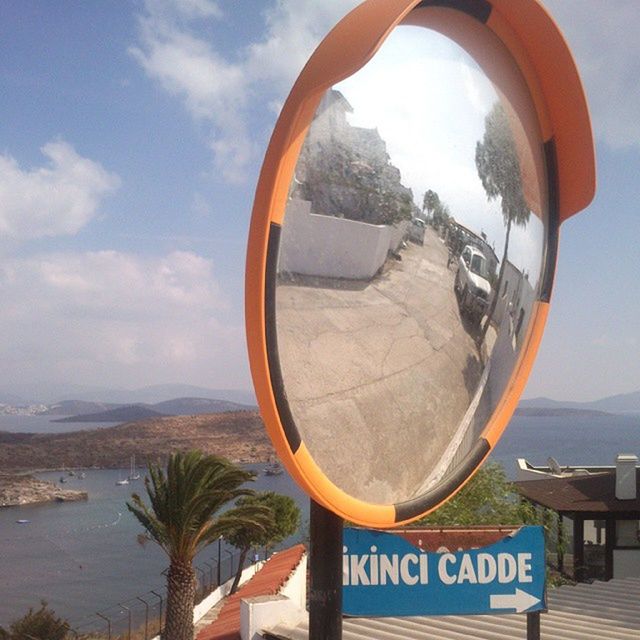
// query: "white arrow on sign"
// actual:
[[520, 601]]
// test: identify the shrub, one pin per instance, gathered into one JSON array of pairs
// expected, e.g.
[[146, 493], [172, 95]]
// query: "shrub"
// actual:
[[41, 624]]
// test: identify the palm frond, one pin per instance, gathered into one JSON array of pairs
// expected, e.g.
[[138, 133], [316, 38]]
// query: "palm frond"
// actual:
[[185, 500]]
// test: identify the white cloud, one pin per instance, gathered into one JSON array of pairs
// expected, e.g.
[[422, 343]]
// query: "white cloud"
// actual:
[[113, 318], [604, 39], [216, 86], [293, 29], [57, 199]]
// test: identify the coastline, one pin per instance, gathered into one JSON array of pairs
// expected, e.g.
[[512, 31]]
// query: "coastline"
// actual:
[[22, 489], [239, 437]]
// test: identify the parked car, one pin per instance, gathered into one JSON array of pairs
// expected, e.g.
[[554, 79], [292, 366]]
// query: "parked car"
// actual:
[[416, 230], [472, 283]]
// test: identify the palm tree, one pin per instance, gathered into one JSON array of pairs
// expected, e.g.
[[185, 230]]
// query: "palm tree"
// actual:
[[184, 517], [498, 168]]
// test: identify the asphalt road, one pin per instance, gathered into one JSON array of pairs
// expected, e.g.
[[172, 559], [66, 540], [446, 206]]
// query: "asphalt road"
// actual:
[[379, 374]]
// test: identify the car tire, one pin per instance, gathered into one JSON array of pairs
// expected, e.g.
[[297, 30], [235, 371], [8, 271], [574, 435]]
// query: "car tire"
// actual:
[[463, 300]]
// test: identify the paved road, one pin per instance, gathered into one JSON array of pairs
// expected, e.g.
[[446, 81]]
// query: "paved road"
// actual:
[[379, 374]]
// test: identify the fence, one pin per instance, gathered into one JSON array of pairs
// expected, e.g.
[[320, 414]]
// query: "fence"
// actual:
[[142, 617]]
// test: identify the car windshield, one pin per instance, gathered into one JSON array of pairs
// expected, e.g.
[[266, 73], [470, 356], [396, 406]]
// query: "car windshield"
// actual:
[[478, 265]]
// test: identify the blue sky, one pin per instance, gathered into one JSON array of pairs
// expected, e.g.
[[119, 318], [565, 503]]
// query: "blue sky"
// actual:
[[131, 138]]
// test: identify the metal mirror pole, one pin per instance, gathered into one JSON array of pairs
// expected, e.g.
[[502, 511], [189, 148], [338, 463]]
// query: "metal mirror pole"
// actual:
[[325, 564]]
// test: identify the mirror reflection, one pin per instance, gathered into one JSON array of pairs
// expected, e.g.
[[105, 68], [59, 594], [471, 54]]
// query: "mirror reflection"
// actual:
[[411, 256]]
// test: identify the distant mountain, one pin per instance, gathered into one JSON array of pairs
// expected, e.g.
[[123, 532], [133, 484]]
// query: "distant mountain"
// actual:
[[620, 403], [240, 437], [53, 392], [128, 413], [75, 407], [547, 412], [162, 393], [197, 406], [103, 412]]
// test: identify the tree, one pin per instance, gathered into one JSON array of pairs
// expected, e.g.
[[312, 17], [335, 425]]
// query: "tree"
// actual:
[[42, 624], [430, 201], [441, 215], [283, 522], [499, 170], [184, 517], [487, 499]]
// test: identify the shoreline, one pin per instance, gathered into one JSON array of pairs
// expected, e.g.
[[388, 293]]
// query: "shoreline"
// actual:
[[22, 488], [18, 490]]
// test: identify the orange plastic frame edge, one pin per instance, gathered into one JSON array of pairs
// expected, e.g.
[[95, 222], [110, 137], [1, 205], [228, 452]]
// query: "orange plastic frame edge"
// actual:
[[538, 47]]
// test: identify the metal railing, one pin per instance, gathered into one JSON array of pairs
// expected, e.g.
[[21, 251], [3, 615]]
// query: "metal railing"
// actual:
[[142, 617]]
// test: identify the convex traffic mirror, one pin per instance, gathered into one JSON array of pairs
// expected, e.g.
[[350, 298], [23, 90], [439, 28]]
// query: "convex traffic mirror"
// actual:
[[403, 244]]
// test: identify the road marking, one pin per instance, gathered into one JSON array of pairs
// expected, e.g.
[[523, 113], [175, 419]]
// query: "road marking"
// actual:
[[520, 601]]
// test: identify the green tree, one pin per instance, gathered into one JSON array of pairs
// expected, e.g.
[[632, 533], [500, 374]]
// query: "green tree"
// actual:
[[183, 517], [487, 499], [490, 499], [498, 167], [284, 520], [41, 624], [441, 215], [430, 201]]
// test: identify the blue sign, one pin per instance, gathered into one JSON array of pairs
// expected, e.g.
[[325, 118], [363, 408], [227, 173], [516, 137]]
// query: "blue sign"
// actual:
[[384, 575]]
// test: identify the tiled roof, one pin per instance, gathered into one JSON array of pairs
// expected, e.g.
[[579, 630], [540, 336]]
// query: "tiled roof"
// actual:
[[590, 493], [268, 581], [599, 611]]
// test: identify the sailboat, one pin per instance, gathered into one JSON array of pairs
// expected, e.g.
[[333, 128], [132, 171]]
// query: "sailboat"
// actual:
[[133, 475], [122, 481]]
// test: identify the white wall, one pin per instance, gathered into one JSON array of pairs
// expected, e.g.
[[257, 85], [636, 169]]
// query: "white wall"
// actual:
[[288, 606], [329, 247], [222, 591], [626, 563], [296, 587]]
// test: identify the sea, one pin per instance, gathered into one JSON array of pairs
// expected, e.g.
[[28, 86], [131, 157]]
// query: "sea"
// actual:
[[84, 557]]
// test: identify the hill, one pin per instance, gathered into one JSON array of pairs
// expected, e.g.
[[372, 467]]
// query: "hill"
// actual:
[[52, 392], [619, 403], [196, 406], [239, 436], [25, 489], [161, 393], [548, 412], [128, 413], [138, 411], [75, 407]]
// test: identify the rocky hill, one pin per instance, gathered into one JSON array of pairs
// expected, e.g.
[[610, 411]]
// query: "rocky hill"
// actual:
[[238, 436], [24, 489], [128, 413], [138, 411]]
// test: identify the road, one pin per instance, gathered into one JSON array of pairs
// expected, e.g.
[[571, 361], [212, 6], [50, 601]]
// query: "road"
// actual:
[[379, 374]]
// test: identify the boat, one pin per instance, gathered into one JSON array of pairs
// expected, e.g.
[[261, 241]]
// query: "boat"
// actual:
[[133, 475], [82, 476], [273, 469], [22, 521], [121, 481], [63, 479]]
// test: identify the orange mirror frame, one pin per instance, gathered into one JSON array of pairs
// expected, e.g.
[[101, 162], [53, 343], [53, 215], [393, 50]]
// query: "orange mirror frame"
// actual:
[[541, 53]]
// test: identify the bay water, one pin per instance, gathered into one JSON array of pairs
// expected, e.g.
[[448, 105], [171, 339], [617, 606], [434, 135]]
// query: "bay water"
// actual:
[[46, 424], [83, 557]]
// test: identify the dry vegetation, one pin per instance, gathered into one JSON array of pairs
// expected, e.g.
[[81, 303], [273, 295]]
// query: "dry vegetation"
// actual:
[[239, 436]]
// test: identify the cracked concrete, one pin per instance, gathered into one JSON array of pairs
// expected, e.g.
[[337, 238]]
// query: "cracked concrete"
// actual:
[[379, 375]]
